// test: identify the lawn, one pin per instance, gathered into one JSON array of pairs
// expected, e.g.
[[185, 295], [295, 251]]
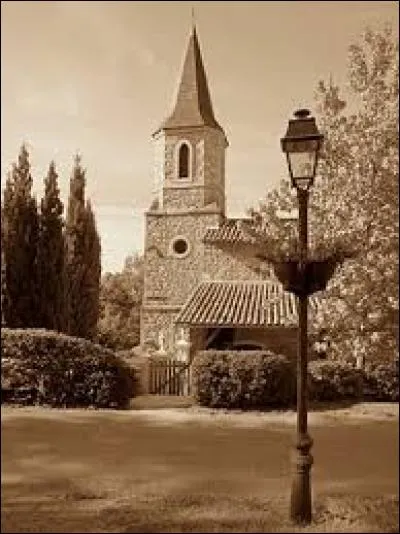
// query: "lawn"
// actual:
[[193, 470]]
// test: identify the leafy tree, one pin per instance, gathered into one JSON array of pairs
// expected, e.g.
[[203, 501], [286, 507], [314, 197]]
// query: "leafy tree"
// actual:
[[51, 255], [120, 301], [20, 236], [354, 201]]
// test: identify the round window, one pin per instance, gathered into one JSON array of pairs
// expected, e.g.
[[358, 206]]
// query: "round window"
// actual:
[[180, 246]]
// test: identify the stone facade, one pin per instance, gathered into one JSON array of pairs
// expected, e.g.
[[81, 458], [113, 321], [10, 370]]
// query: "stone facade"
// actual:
[[169, 278], [187, 203], [205, 184]]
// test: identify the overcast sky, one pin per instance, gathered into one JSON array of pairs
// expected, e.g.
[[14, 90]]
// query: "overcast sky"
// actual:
[[99, 77]]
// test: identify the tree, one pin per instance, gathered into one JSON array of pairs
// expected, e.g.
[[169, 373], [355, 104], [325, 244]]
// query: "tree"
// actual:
[[20, 236], [75, 252], [120, 302], [90, 294], [82, 260], [3, 275], [51, 255], [355, 201]]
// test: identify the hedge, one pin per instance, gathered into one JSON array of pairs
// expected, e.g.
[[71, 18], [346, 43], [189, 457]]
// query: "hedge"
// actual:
[[263, 380], [333, 381], [46, 367], [243, 379]]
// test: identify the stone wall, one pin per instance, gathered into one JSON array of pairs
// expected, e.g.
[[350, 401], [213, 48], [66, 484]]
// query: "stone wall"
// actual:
[[181, 196], [167, 275], [170, 280], [153, 321], [207, 168], [228, 264]]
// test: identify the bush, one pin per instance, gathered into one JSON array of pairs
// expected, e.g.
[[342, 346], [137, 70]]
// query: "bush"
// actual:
[[381, 381], [243, 379], [261, 379], [333, 381], [41, 366]]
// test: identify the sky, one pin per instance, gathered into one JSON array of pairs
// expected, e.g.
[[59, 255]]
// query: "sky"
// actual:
[[98, 78]]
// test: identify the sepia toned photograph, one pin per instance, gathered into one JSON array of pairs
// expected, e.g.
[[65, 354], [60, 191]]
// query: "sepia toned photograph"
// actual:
[[199, 266]]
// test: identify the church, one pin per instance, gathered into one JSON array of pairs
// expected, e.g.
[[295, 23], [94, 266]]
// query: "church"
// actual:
[[201, 282]]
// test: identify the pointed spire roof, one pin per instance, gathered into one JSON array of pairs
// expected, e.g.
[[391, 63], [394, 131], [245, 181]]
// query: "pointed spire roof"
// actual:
[[193, 103]]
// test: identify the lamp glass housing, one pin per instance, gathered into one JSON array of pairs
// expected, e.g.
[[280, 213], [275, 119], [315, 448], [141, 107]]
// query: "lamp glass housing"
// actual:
[[302, 157], [302, 144]]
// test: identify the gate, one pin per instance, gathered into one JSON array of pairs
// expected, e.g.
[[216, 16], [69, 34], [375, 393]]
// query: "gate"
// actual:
[[169, 377]]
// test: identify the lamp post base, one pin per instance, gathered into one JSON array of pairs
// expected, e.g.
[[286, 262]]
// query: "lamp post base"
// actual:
[[300, 502]]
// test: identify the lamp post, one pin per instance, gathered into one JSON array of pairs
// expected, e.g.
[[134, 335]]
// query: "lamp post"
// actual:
[[301, 145]]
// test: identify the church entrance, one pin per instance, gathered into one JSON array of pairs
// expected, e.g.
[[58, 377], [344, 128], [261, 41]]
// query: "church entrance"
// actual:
[[231, 339]]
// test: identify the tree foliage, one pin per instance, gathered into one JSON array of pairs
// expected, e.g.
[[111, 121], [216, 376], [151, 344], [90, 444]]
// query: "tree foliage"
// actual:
[[120, 300], [82, 260], [90, 294], [355, 200], [50, 269], [51, 274], [3, 275], [20, 235]]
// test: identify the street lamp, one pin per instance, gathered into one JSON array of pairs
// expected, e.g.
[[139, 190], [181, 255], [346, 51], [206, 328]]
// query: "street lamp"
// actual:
[[301, 145]]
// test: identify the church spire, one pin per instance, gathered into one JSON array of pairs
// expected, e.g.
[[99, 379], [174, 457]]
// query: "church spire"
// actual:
[[193, 103]]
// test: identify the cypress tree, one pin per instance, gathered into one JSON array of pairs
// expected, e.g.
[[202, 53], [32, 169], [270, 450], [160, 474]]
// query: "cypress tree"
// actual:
[[20, 235], [82, 260], [3, 288], [92, 274], [3, 273], [51, 255], [75, 251]]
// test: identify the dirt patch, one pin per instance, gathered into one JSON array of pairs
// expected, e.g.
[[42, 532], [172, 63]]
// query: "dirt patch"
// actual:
[[193, 470], [321, 415]]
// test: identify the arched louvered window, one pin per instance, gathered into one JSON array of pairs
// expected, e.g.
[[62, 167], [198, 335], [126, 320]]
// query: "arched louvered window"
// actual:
[[183, 167]]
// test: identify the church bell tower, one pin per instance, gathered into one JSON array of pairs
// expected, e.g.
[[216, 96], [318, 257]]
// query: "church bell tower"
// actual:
[[189, 197], [190, 144]]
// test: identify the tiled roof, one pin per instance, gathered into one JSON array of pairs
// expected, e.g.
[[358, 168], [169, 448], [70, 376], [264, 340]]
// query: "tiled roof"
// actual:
[[193, 103], [240, 304], [228, 232]]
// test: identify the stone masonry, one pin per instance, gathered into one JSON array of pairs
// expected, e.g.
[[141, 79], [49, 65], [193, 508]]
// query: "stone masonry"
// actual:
[[176, 259]]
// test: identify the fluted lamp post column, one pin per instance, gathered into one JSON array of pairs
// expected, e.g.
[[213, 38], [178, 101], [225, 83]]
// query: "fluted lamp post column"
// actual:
[[301, 145]]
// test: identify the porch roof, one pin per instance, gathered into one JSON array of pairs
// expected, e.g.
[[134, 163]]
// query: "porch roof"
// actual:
[[240, 304]]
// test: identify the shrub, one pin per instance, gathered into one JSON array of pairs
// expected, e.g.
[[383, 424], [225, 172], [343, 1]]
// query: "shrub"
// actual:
[[59, 370], [381, 381], [332, 381], [243, 379]]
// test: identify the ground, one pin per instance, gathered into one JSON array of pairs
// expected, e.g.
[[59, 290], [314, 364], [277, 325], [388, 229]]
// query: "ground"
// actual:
[[194, 470]]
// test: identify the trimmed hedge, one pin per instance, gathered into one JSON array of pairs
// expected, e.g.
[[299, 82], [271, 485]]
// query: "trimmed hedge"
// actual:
[[333, 381], [243, 379], [261, 380], [46, 367]]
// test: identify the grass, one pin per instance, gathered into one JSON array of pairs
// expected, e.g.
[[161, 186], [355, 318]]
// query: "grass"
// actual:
[[181, 470]]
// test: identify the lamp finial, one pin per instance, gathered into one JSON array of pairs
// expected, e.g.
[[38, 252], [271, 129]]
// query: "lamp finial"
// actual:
[[301, 113]]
